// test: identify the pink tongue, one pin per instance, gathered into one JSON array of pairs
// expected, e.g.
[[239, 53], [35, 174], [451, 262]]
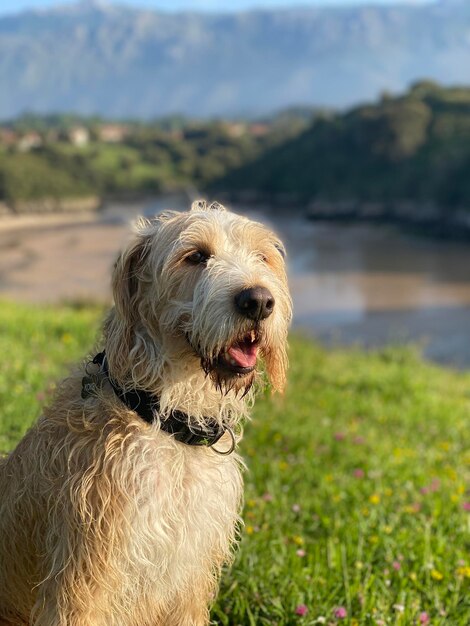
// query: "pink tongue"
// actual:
[[244, 354]]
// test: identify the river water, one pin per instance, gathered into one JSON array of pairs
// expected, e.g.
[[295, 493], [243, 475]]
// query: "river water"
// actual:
[[375, 285], [365, 285]]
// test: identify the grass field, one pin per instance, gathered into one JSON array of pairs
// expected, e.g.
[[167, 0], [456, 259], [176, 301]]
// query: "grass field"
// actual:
[[357, 503]]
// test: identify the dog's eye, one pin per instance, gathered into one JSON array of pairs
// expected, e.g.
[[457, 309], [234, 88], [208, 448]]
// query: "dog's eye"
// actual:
[[195, 258]]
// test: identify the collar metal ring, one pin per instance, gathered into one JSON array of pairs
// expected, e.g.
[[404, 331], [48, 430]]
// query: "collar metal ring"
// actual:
[[232, 446]]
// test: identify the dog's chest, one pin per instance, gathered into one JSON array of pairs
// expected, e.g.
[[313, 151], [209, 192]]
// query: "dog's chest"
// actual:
[[184, 513]]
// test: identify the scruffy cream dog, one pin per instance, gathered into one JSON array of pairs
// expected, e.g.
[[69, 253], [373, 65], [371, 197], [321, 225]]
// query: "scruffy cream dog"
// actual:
[[115, 508]]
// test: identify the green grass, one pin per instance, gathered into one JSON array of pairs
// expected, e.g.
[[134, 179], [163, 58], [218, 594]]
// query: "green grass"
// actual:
[[356, 481], [36, 346]]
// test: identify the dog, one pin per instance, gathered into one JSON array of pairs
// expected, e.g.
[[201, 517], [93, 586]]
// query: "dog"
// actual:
[[121, 504]]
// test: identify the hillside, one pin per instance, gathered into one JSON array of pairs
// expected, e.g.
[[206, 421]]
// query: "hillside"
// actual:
[[403, 158], [67, 156], [410, 149], [356, 504], [116, 61]]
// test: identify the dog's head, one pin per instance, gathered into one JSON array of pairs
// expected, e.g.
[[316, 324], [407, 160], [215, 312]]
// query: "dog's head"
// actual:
[[203, 290]]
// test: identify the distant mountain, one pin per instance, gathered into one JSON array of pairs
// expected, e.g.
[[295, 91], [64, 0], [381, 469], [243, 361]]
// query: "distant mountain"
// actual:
[[93, 57]]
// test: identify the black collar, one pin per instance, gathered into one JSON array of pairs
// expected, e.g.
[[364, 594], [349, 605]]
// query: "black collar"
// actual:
[[147, 406]]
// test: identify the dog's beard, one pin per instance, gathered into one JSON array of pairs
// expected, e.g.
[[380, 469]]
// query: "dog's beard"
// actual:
[[239, 384]]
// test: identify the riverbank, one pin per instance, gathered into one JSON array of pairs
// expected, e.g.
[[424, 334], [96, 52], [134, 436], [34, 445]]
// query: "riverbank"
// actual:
[[423, 219], [50, 205], [426, 219], [109, 209]]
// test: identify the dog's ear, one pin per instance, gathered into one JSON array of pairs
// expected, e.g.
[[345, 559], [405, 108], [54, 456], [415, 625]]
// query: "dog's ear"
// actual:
[[276, 356], [120, 328], [276, 365], [128, 276]]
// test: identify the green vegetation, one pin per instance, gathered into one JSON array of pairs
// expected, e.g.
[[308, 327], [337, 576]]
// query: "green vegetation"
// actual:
[[30, 177], [37, 344], [68, 156], [415, 147], [356, 504], [404, 155], [151, 162]]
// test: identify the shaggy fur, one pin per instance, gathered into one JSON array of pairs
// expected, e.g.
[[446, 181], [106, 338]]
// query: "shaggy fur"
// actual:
[[106, 520]]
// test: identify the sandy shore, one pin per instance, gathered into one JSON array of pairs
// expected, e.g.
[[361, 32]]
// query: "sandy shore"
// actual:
[[35, 221], [58, 259], [51, 258]]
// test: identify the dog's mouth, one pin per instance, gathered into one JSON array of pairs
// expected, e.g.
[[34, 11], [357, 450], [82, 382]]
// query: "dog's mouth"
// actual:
[[241, 356], [237, 359]]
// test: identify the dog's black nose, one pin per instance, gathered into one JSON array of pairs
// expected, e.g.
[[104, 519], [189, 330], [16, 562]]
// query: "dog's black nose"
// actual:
[[257, 303]]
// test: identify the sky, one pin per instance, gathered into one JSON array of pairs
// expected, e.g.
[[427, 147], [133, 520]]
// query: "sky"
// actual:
[[13, 6]]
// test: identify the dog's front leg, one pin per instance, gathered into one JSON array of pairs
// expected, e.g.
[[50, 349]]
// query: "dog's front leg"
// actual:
[[79, 568]]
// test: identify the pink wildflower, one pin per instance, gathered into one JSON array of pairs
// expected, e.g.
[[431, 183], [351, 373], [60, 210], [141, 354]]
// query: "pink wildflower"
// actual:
[[358, 473], [301, 552], [301, 609], [340, 612], [267, 497], [396, 565], [424, 618], [466, 506], [339, 436]]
